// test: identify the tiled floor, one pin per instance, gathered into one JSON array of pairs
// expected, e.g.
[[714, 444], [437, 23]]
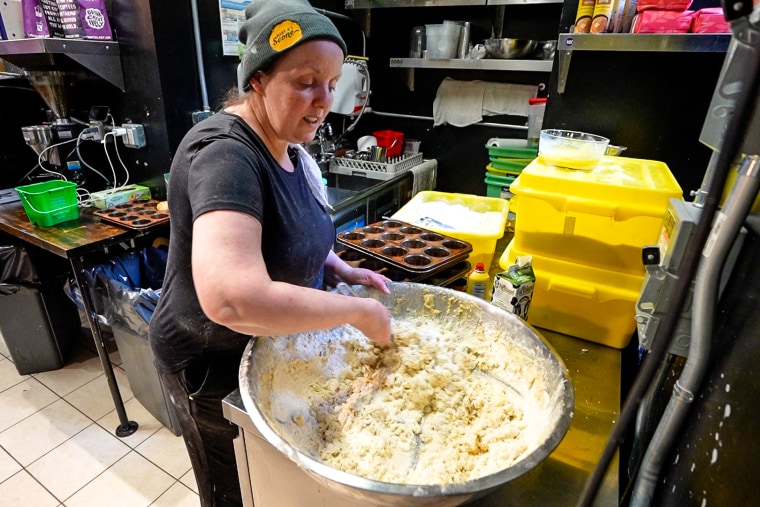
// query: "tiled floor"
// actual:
[[58, 447]]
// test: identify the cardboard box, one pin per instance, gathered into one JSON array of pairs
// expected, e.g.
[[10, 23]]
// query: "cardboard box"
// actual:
[[114, 197], [513, 288]]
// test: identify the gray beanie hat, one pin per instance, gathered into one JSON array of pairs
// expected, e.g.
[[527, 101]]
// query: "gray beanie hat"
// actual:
[[272, 27]]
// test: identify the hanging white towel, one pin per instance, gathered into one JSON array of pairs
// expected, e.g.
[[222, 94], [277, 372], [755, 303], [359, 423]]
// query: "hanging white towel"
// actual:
[[505, 98], [458, 103], [462, 103], [424, 175]]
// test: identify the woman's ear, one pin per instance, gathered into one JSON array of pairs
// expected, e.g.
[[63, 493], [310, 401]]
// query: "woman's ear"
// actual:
[[255, 82]]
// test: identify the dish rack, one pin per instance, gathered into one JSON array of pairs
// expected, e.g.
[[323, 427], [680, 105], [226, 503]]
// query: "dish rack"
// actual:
[[376, 170]]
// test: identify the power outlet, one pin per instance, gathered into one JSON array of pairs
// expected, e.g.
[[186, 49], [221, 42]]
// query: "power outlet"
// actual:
[[135, 136], [201, 115]]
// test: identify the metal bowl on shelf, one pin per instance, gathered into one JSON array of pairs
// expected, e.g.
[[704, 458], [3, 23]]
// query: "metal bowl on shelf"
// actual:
[[507, 49], [271, 402]]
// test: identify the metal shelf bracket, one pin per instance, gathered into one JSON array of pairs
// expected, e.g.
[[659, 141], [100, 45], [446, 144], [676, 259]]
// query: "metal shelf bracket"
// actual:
[[686, 42]]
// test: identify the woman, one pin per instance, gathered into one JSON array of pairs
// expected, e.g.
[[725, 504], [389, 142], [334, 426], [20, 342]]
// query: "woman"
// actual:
[[250, 238]]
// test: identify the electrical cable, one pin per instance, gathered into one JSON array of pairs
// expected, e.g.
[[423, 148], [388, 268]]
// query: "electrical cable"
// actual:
[[84, 163], [356, 120], [21, 179], [123, 165], [91, 168], [740, 119], [40, 160], [84, 202], [105, 149], [6, 87]]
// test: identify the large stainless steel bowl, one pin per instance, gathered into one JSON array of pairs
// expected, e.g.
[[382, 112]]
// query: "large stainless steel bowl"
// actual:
[[507, 49], [269, 408]]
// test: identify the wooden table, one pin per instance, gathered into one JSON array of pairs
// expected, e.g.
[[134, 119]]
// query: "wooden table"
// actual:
[[75, 241]]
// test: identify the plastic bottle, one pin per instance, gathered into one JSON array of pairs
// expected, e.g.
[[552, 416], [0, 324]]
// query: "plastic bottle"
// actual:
[[477, 281], [536, 108]]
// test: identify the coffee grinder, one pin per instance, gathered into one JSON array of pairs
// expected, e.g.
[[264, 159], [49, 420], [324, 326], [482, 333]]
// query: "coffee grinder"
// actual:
[[60, 129]]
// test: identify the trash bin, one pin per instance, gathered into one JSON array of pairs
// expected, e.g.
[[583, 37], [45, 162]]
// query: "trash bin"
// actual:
[[38, 322], [125, 291], [137, 358]]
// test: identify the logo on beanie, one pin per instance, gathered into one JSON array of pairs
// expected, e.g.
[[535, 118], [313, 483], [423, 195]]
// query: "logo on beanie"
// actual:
[[284, 35]]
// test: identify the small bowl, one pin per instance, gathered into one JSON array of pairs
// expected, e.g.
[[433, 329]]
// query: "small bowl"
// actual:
[[507, 49], [571, 149], [545, 49], [614, 151]]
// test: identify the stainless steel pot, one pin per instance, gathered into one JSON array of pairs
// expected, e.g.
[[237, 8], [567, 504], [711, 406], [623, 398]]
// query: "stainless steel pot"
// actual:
[[269, 410], [507, 49]]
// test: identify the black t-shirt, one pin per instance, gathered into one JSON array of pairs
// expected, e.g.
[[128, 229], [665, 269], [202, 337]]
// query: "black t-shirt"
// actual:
[[222, 164]]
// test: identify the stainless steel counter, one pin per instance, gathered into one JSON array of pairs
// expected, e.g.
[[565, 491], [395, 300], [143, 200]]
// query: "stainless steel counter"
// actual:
[[595, 374], [558, 481]]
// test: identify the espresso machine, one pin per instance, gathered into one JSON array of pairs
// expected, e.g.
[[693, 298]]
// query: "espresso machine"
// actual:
[[54, 140]]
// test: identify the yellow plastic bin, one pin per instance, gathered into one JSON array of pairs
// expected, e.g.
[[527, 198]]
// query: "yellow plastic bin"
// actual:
[[581, 301], [600, 218], [478, 220]]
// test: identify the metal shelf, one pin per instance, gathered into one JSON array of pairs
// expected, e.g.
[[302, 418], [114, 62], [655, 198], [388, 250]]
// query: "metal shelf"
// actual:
[[523, 2], [686, 42], [480, 64], [377, 4], [102, 58]]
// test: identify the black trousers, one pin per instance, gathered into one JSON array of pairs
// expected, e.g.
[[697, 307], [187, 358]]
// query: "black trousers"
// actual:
[[197, 393]]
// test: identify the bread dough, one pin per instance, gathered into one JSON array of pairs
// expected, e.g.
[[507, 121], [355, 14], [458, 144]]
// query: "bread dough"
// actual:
[[440, 407]]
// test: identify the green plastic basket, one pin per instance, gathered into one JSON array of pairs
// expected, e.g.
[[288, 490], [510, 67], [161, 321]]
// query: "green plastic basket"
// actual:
[[506, 148], [512, 165], [498, 186], [49, 202]]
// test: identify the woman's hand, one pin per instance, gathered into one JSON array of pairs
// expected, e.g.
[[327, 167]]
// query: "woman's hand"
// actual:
[[374, 321], [337, 270], [362, 276]]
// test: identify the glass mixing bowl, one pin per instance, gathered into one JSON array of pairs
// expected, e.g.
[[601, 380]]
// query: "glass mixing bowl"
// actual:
[[571, 149]]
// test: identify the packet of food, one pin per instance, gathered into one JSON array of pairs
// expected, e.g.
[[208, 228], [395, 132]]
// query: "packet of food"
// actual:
[[77, 19], [35, 24], [513, 288], [94, 18]]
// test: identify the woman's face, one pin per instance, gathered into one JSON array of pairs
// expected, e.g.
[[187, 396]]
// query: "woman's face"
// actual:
[[298, 91]]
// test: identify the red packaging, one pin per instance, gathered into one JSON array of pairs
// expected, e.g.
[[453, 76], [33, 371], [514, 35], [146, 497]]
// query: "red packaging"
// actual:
[[710, 20], [662, 22], [663, 5]]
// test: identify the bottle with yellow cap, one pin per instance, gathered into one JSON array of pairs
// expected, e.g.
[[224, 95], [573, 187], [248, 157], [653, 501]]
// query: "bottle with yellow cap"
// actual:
[[477, 281]]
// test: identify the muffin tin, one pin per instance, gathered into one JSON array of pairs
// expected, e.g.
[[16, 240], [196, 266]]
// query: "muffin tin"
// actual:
[[406, 246], [443, 277], [137, 214]]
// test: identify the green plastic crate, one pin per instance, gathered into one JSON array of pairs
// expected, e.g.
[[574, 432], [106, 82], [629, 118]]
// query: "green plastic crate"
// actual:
[[512, 165], [511, 148], [49, 202], [498, 186]]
